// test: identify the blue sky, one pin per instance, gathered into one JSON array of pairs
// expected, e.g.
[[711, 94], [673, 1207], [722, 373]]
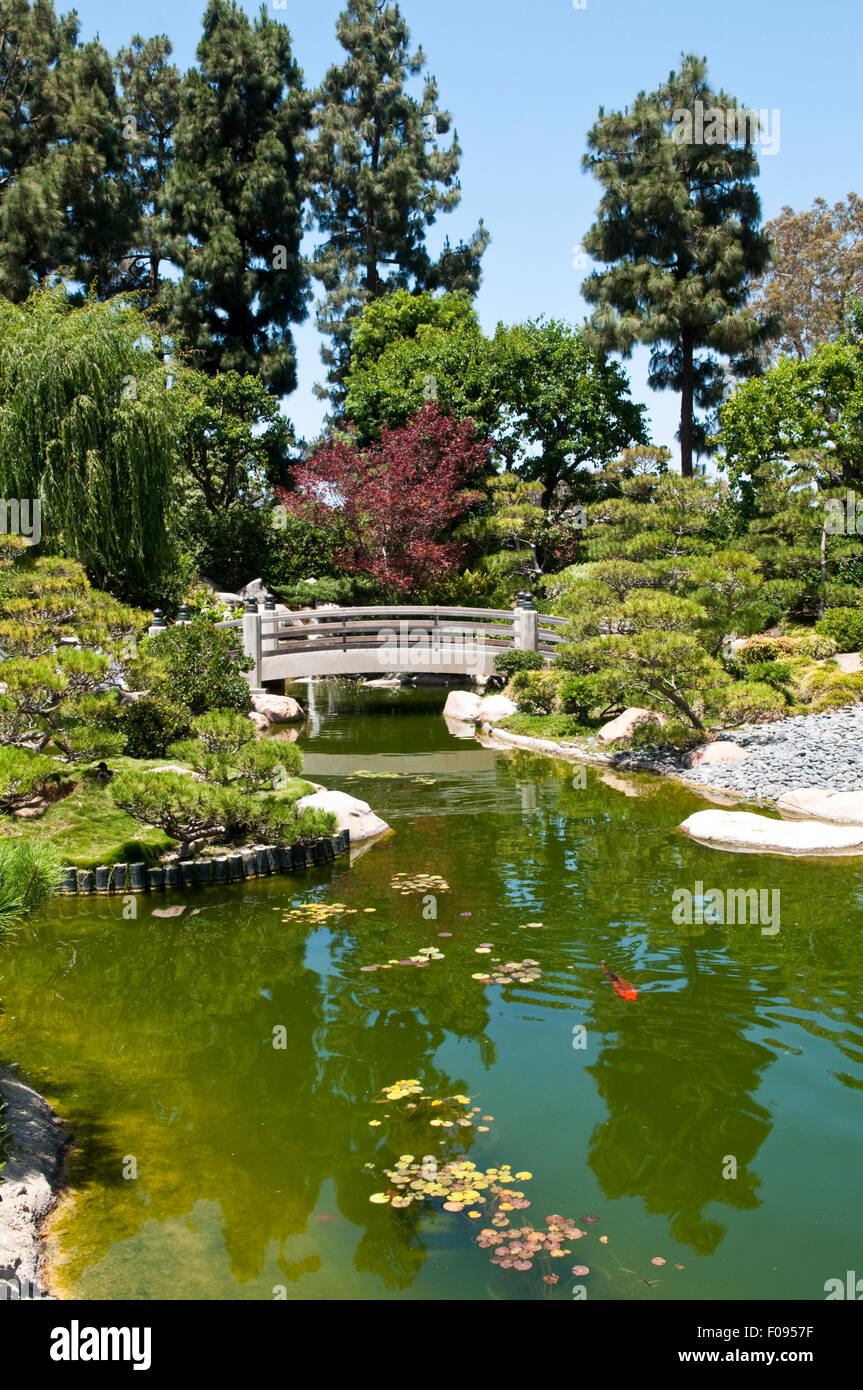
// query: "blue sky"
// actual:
[[524, 82]]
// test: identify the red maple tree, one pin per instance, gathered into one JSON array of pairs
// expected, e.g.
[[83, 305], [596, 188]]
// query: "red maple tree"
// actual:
[[392, 502]]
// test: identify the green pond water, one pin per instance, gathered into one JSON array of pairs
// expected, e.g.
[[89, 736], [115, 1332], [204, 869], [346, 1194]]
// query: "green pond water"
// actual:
[[154, 1038]]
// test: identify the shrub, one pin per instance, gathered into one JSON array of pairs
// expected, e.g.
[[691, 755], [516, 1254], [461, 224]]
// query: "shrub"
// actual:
[[535, 692], [21, 774], [152, 724], [814, 645], [760, 648], [845, 626], [745, 702], [778, 674], [588, 696], [674, 734], [199, 666], [507, 664], [824, 689], [178, 803]]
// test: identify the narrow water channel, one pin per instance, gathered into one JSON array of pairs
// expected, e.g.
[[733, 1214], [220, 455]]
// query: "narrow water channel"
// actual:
[[211, 1164]]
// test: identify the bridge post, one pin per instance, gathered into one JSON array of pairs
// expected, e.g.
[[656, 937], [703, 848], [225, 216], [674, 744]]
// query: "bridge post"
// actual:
[[525, 624], [252, 643]]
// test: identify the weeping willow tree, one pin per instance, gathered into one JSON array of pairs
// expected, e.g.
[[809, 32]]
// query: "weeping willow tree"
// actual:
[[87, 429]]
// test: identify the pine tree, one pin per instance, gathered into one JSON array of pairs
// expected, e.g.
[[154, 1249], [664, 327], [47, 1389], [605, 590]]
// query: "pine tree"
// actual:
[[378, 177], [678, 228], [63, 199], [150, 85], [234, 202]]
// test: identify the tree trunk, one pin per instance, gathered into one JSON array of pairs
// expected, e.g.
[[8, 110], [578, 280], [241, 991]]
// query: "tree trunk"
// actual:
[[822, 593], [686, 398]]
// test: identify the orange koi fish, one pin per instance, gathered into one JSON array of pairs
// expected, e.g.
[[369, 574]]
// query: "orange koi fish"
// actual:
[[621, 986]]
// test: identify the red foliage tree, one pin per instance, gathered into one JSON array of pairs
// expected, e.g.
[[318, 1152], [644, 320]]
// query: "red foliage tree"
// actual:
[[392, 503]]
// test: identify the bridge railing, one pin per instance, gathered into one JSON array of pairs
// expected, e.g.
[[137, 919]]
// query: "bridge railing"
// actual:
[[266, 635]]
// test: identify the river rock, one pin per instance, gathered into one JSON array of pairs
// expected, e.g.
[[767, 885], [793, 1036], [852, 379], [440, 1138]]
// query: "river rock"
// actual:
[[846, 808], [277, 709], [494, 707], [624, 724], [743, 831], [31, 1175], [352, 814], [256, 589], [462, 704], [175, 767], [722, 751]]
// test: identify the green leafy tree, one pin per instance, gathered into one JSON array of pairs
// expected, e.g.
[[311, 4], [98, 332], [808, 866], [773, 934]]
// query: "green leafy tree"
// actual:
[[196, 665], [150, 87], [64, 201], [379, 176], [564, 406], [411, 349], [678, 229], [87, 427], [234, 200], [232, 441]]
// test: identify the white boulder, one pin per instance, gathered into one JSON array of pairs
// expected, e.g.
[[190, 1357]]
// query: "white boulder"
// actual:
[[277, 709], [352, 814], [462, 704], [624, 725], [846, 808], [747, 833], [493, 707]]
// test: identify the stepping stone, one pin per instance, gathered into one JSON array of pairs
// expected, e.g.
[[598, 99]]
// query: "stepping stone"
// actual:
[[750, 834]]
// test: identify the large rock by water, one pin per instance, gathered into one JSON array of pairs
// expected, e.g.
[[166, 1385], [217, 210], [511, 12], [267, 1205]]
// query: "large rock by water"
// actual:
[[722, 751], [846, 808], [493, 707], [743, 831], [352, 814], [462, 704], [625, 724], [31, 1174], [277, 709]]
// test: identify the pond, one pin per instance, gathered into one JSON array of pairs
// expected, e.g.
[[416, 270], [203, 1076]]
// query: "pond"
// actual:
[[714, 1123]]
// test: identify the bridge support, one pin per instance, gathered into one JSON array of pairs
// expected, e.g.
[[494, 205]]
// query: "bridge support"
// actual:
[[253, 643]]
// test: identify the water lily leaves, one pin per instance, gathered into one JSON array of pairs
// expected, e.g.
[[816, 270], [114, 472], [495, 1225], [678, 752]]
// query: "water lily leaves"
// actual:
[[419, 883], [658, 1260], [316, 914], [580, 1270], [379, 1198]]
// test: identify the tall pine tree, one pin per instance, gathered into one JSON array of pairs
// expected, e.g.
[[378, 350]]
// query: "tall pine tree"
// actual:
[[234, 201], [64, 201], [150, 85], [679, 229], [378, 177]]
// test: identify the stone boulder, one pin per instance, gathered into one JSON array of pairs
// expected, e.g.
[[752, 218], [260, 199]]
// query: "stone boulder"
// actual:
[[744, 832], [722, 751], [353, 815], [277, 709], [256, 589], [175, 767], [845, 808], [462, 704], [624, 725], [494, 707]]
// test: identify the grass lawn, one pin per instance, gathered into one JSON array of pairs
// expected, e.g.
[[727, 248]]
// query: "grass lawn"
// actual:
[[88, 830], [552, 726]]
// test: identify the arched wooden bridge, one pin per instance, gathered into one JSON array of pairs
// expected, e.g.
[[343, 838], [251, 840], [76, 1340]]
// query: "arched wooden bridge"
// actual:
[[376, 641]]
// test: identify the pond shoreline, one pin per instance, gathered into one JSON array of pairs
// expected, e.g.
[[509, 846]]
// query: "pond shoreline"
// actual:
[[30, 1186], [822, 751]]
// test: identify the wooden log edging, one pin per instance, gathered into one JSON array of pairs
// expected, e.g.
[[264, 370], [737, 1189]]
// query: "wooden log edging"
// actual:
[[262, 861]]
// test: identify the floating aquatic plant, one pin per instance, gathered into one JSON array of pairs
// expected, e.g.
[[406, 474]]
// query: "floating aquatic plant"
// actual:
[[315, 914], [422, 957], [524, 971], [419, 883]]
